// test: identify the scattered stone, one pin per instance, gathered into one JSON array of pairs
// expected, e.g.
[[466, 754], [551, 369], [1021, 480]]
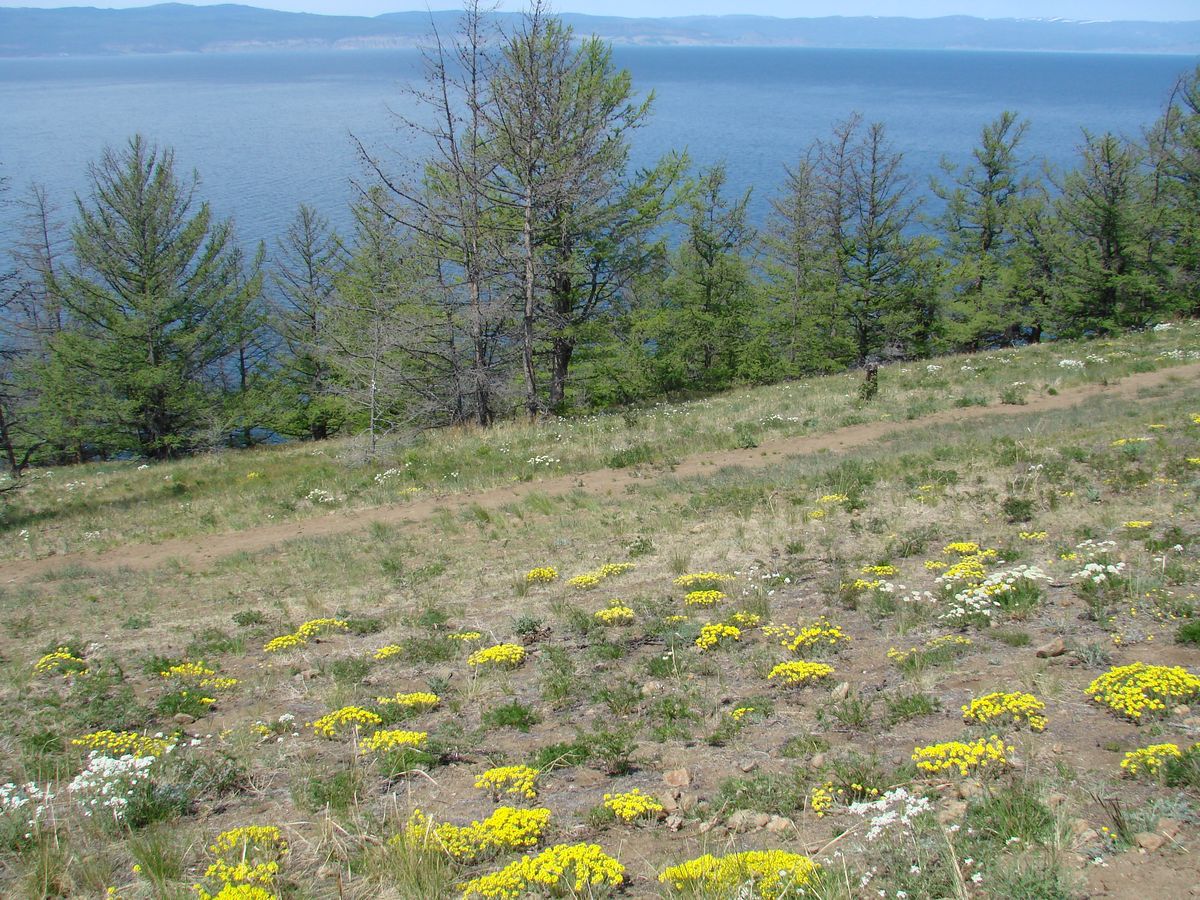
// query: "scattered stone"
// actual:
[[652, 688], [748, 766], [1181, 710], [841, 692], [671, 801], [1168, 827], [1149, 841], [1056, 647], [969, 789], [1056, 748], [817, 761], [674, 822], [1055, 800], [760, 820], [677, 777], [952, 811], [711, 826], [778, 825], [689, 801], [183, 719], [739, 821]]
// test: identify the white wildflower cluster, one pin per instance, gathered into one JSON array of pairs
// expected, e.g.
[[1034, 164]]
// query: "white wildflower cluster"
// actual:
[[1163, 326], [320, 495], [29, 802], [1179, 355], [981, 600], [107, 783], [1098, 572], [1071, 364], [384, 477], [897, 807], [777, 419], [1098, 360], [933, 368], [545, 461], [967, 369]]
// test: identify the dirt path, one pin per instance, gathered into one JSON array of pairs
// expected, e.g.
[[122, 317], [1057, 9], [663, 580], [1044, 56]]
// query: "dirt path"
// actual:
[[195, 552]]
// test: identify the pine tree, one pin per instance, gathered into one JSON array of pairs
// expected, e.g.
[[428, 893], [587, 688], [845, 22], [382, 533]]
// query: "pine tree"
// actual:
[[156, 299]]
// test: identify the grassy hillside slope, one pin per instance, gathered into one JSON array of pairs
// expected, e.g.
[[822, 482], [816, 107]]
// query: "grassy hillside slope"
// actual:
[[982, 553]]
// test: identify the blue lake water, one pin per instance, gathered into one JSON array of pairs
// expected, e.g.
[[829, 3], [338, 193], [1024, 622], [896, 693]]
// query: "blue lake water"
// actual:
[[267, 131]]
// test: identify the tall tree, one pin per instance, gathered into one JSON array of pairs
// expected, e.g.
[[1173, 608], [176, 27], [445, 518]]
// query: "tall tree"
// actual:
[[309, 258], [156, 295], [561, 116], [699, 330], [979, 224], [1112, 277], [1174, 146]]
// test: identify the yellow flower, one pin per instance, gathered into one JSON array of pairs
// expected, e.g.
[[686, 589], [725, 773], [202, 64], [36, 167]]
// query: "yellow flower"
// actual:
[[703, 598], [800, 672], [504, 830], [633, 805], [702, 580], [386, 741], [1136, 689], [575, 870], [1150, 760], [712, 634], [121, 743], [507, 656], [616, 613], [1016, 708], [1138, 524], [332, 724], [541, 575], [961, 757], [419, 700], [517, 780], [775, 874], [60, 662], [389, 651]]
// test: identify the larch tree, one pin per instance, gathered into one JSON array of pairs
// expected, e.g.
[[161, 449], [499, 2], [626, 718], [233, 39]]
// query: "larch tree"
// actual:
[[156, 296]]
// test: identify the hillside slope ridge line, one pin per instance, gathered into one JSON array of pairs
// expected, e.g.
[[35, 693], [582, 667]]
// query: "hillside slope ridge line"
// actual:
[[196, 551]]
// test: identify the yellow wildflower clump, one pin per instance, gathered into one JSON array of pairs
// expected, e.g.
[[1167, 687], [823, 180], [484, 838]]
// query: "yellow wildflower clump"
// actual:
[[60, 661], [187, 671], [301, 635], [812, 639], [283, 643], [1193, 460], [1138, 524], [1016, 708], [834, 498], [333, 724], [229, 892], [702, 580], [593, 578], [800, 672], [1033, 535], [466, 637], [517, 780], [508, 828], [741, 712], [313, 627], [633, 805], [775, 874], [1150, 760], [616, 613], [122, 743], [961, 548], [1136, 689], [745, 620], [389, 740], [247, 856], [388, 652], [421, 701], [714, 633], [885, 571], [703, 598], [541, 575], [506, 656], [963, 757], [575, 870], [820, 799]]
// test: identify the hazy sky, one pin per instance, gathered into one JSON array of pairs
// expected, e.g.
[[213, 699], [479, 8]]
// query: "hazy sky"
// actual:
[[1074, 9]]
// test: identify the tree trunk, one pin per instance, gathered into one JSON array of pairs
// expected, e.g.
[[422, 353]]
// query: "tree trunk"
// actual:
[[563, 350], [527, 326]]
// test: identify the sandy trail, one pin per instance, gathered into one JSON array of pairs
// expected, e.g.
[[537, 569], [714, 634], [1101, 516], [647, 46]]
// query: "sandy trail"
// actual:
[[198, 550]]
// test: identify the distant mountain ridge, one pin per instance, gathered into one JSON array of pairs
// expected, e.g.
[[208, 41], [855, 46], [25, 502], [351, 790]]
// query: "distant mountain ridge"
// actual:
[[176, 28]]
